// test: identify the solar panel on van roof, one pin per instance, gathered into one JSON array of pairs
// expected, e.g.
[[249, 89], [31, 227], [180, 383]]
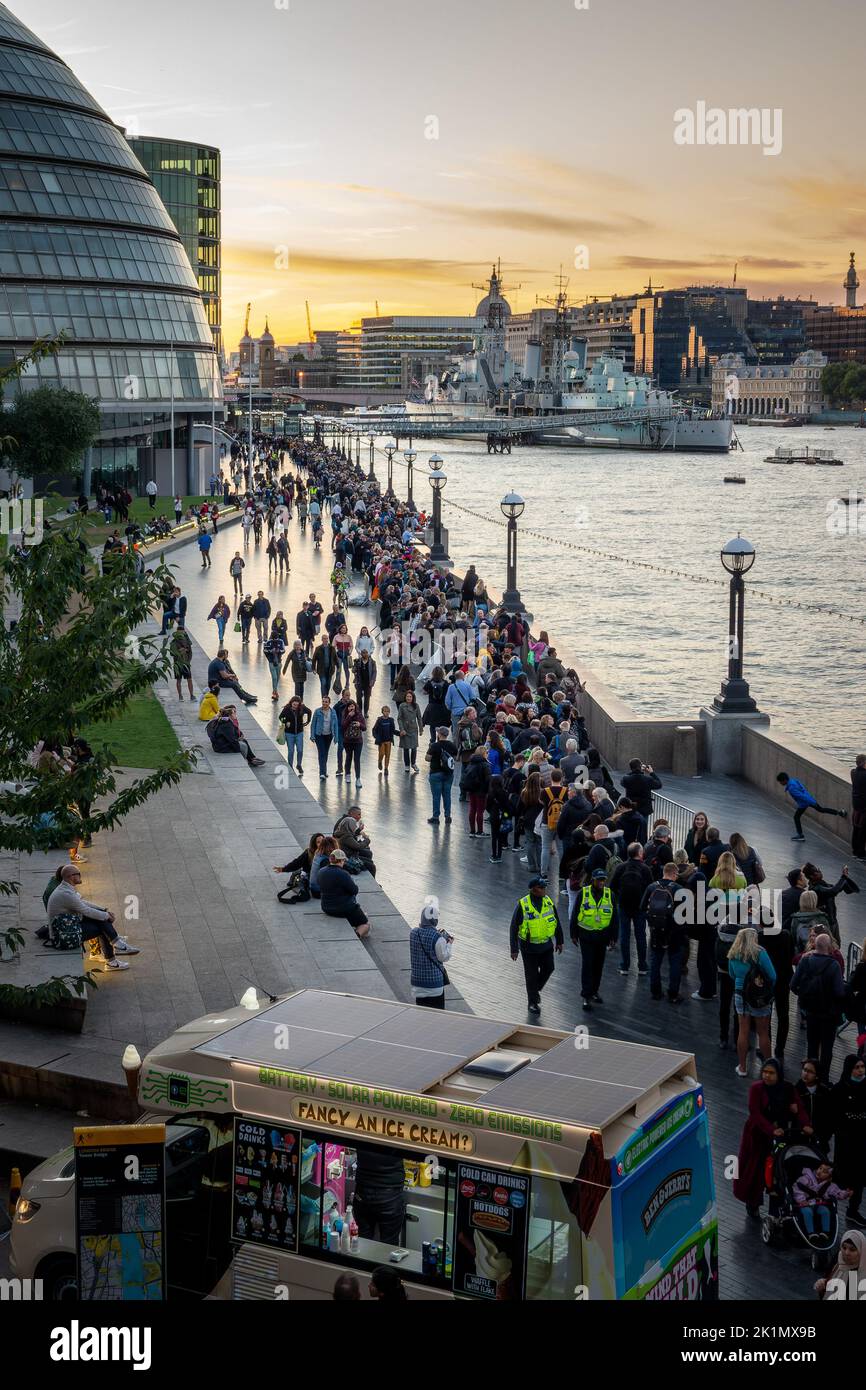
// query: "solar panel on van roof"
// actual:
[[442, 1032], [258, 1041], [592, 1104], [389, 1064], [607, 1059]]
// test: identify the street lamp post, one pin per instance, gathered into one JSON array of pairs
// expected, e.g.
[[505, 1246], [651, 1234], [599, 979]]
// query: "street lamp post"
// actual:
[[357, 448], [410, 456], [438, 480], [512, 506], [737, 557], [371, 476], [390, 449]]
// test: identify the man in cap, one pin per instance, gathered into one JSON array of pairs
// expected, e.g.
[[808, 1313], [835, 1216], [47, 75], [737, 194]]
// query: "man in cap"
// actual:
[[535, 934]]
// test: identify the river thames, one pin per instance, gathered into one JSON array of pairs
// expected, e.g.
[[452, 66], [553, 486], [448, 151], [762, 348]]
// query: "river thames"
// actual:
[[658, 639]]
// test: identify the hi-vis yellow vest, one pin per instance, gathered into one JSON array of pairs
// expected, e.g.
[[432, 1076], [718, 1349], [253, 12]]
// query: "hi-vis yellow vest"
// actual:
[[595, 916], [539, 924]]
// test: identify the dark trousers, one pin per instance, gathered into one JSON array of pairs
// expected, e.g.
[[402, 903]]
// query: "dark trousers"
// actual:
[[707, 965], [104, 932], [782, 998], [352, 755], [380, 1216], [362, 699], [675, 970], [858, 833], [537, 970], [820, 1037], [822, 810], [593, 951], [726, 999], [432, 1001], [410, 757], [323, 748]]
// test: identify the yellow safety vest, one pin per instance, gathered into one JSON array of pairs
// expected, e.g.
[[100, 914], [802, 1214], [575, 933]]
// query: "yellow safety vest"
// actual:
[[539, 924], [593, 915]]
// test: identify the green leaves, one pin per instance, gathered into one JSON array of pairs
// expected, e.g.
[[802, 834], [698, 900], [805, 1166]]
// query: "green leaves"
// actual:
[[51, 427]]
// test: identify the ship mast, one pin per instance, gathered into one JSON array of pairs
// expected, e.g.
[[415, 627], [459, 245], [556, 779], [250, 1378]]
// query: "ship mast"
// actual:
[[561, 328]]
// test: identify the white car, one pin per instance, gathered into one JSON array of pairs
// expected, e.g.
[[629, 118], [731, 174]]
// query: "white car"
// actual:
[[198, 1153]]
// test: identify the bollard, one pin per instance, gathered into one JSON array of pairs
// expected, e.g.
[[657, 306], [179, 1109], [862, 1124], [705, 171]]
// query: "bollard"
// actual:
[[14, 1190], [684, 762]]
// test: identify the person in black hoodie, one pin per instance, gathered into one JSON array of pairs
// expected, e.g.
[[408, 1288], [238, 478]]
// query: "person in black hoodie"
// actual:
[[816, 1098], [858, 807], [628, 886], [849, 1117], [499, 811], [436, 713], [828, 893]]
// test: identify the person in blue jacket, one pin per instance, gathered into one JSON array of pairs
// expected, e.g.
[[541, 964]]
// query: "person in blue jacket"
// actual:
[[324, 729], [804, 801]]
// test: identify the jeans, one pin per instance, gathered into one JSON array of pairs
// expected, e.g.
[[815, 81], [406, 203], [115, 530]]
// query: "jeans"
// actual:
[[629, 921], [537, 970], [675, 970], [325, 684], [275, 675], [342, 675], [352, 756], [593, 950], [295, 744], [246, 624], [221, 629], [323, 748], [205, 559], [261, 628], [809, 1215], [533, 851], [440, 790], [104, 932], [238, 583], [548, 845]]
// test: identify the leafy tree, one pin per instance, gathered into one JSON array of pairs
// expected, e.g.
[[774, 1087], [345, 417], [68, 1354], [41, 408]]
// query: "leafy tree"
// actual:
[[831, 380], [844, 383], [71, 659], [51, 428]]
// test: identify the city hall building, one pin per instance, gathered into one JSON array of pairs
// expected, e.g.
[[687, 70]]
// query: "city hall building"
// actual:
[[88, 249]]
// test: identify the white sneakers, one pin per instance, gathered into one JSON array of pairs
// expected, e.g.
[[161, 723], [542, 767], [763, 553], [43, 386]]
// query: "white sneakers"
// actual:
[[117, 965], [123, 948]]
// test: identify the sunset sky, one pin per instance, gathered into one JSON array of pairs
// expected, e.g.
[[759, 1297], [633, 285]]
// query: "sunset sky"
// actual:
[[555, 132]]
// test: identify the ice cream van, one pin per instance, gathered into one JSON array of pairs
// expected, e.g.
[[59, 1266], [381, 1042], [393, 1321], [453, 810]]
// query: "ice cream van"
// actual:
[[329, 1133]]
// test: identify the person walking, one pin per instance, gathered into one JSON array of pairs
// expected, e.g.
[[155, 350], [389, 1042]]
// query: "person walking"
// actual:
[[364, 673], [152, 490], [384, 733], [848, 1100], [245, 618], [754, 979], [820, 989], [628, 885], [180, 648], [529, 809], [429, 950], [323, 731], [236, 570], [459, 696], [273, 652], [553, 799], [476, 783], [774, 1111], [803, 801], [498, 807], [442, 757], [296, 663], [535, 935], [409, 730], [666, 935], [261, 614], [204, 542], [220, 614], [341, 641], [294, 717], [354, 726], [325, 664], [592, 920]]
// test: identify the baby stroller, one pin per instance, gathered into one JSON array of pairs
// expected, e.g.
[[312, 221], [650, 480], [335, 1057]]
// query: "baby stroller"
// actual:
[[784, 1220]]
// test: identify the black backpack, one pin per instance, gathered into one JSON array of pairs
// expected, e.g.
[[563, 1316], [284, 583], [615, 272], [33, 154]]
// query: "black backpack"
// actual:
[[757, 991], [815, 992], [660, 917]]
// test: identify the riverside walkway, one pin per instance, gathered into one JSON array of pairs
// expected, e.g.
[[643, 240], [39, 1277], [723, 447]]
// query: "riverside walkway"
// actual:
[[477, 898]]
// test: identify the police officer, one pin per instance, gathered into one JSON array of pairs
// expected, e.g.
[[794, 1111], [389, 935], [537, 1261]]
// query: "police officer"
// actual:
[[535, 934], [591, 922]]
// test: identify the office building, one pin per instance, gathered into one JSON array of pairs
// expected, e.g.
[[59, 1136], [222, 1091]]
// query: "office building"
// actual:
[[388, 340], [678, 334], [88, 249], [776, 328], [187, 178]]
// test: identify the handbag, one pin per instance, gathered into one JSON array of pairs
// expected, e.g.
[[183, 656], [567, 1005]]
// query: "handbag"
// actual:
[[281, 737], [237, 626], [438, 964], [759, 871]]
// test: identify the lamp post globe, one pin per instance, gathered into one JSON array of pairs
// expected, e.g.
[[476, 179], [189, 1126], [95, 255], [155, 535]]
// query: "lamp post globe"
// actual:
[[390, 450], [512, 506], [738, 557], [437, 479]]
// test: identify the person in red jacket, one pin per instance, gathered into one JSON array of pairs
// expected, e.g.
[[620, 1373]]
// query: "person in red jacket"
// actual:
[[775, 1109]]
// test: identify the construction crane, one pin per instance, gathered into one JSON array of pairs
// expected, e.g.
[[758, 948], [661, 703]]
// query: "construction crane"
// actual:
[[247, 322], [309, 322], [377, 308]]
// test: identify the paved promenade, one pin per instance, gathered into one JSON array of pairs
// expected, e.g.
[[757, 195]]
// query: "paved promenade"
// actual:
[[477, 898]]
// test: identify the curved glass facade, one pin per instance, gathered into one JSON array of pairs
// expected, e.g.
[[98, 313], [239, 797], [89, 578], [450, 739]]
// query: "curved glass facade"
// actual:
[[87, 248]]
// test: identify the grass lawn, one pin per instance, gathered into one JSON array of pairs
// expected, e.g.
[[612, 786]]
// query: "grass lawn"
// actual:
[[141, 737], [95, 529]]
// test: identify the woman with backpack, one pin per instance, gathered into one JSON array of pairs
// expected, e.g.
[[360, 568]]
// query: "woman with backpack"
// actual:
[[476, 783], [747, 859], [774, 1110], [754, 977]]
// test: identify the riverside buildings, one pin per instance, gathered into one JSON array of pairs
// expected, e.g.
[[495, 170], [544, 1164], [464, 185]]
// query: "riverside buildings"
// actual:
[[744, 390], [88, 249]]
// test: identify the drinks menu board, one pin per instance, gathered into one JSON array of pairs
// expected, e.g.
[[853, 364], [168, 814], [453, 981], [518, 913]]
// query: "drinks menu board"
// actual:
[[491, 1230], [265, 1184], [120, 1212]]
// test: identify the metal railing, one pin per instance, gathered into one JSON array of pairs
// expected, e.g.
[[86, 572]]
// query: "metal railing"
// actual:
[[678, 817]]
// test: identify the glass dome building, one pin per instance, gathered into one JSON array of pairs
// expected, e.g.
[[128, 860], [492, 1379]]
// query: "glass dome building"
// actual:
[[87, 248]]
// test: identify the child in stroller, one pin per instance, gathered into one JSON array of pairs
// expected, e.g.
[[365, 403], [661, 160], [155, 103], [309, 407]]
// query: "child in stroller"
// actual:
[[803, 1197]]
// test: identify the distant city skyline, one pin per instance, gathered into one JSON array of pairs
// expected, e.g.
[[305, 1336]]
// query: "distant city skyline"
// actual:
[[553, 141]]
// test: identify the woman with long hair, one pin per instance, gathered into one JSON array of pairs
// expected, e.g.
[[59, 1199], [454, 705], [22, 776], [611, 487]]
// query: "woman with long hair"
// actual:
[[727, 887], [528, 811], [753, 976], [301, 864], [404, 682], [746, 858], [697, 836], [409, 729]]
